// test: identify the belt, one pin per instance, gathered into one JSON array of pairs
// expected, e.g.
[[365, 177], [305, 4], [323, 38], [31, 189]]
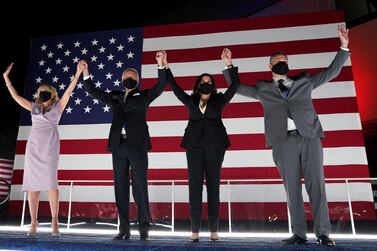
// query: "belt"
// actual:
[[292, 132]]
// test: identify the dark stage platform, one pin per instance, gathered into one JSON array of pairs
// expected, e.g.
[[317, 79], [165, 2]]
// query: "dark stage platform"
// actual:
[[16, 239]]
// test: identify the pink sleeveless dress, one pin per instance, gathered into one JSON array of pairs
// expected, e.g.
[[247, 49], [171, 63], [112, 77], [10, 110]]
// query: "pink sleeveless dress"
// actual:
[[42, 150]]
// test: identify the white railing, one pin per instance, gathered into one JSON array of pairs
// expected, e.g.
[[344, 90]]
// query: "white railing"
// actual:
[[228, 182]]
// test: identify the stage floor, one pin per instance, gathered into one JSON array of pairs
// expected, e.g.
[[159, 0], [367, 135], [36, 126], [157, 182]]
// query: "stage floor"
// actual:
[[17, 240]]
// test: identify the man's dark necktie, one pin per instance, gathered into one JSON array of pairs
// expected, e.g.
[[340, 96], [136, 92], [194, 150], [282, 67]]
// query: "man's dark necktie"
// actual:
[[283, 89], [124, 133]]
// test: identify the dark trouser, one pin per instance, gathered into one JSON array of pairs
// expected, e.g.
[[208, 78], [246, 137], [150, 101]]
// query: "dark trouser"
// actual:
[[299, 156], [123, 157], [200, 162]]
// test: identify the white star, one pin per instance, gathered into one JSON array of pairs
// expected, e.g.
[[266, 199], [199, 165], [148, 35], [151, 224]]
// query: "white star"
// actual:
[[69, 109], [84, 51], [35, 95], [43, 47], [55, 79], [72, 77], [77, 44], [60, 45], [119, 64], [48, 70], [65, 68], [94, 42], [67, 53], [109, 75], [110, 57], [91, 76], [77, 101], [100, 66], [130, 38], [95, 101], [49, 55], [61, 86], [76, 60], [39, 80], [98, 84], [86, 94], [79, 85], [72, 93], [94, 58], [87, 109], [116, 82], [120, 47], [102, 49], [58, 61], [130, 55], [107, 90], [106, 108], [112, 40], [41, 63]]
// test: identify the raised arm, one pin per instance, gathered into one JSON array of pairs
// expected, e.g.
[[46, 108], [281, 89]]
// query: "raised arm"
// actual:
[[91, 89], [226, 56], [231, 76], [178, 91], [19, 99], [159, 87], [336, 65], [67, 94]]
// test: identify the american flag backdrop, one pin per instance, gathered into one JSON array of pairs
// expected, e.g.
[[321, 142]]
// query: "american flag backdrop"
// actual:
[[311, 42]]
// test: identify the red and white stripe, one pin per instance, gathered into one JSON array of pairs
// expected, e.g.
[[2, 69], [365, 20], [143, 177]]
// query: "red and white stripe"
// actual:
[[310, 40], [6, 171]]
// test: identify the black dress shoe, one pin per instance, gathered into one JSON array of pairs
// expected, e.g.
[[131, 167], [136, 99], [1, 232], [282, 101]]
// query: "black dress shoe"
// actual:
[[294, 239], [122, 235], [144, 236], [325, 241]]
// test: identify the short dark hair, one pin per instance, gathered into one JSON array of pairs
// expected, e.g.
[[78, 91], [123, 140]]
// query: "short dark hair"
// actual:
[[277, 53], [199, 79]]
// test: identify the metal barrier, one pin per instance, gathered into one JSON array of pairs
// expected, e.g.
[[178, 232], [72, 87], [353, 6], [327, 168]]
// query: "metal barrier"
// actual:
[[227, 182]]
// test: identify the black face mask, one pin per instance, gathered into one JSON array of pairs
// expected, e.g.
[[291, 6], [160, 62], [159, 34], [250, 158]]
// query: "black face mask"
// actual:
[[280, 68], [130, 83], [44, 96], [205, 88]]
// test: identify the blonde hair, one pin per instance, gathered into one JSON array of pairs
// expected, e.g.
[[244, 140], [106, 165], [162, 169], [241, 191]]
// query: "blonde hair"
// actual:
[[49, 88]]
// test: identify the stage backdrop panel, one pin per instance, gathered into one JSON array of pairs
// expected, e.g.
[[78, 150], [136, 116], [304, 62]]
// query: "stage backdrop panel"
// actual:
[[311, 42]]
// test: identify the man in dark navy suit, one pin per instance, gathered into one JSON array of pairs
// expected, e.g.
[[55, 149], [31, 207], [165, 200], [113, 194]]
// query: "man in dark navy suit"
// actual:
[[129, 143]]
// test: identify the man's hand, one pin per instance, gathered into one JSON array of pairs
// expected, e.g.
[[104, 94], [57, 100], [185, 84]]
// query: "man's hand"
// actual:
[[343, 35], [226, 56], [79, 69], [85, 66], [165, 60], [159, 57]]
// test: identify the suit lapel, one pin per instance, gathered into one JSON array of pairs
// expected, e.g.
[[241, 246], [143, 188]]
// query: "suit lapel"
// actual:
[[273, 88], [293, 86]]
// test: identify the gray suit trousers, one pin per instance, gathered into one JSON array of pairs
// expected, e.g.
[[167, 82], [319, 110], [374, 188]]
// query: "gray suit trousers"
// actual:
[[295, 157]]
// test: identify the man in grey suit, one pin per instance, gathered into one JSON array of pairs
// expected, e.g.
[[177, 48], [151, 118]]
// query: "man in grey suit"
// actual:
[[294, 132]]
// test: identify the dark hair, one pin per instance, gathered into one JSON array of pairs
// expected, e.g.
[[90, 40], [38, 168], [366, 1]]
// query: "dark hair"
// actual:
[[277, 53], [199, 79]]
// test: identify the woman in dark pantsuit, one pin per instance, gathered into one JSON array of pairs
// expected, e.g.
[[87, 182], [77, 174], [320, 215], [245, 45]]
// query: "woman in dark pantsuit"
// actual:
[[205, 141]]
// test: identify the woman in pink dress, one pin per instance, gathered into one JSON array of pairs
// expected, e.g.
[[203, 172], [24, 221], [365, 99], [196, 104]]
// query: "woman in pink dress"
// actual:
[[42, 148]]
